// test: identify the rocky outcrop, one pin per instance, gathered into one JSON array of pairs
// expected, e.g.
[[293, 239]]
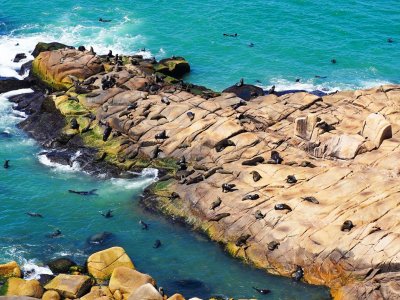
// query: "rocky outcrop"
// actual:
[[305, 181], [102, 264], [127, 280], [42, 47], [175, 67], [61, 265], [10, 269]]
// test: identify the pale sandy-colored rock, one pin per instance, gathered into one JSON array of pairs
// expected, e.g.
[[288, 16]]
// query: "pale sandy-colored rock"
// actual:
[[146, 292], [101, 264], [70, 286], [127, 280], [21, 287], [376, 129], [10, 269]]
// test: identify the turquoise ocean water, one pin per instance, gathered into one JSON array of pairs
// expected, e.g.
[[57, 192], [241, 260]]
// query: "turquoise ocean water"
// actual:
[[292, 39]]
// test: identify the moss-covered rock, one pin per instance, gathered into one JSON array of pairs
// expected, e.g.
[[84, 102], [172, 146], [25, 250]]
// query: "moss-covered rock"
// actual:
[[61, 265], [42, 47], [175, 67]]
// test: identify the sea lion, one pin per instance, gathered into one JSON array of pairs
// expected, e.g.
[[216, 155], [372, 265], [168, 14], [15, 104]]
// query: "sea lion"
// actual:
[[190, 115], [321, 77], [132, 106], [84, 193], [240, 83], [99, 238], [158, 117], [242, 240], [216, 203], [307, 164], [282, 206], [311, 199], [291, 179], [390, 40], [259, 215], [165, 100], [219, 217], [81, 48], [239, 104], [108, 214], [161, 136], [254, 161], [276, 157], [347, 226], [221, 145], [107, 132], [251, 45], [271, 90], [174, 196], [262, 291], [104, 20], [325, 126], [33, 214], [333, 61], [297, 79], [74, 124], [144, 225], [91, 51], [298, 274], [55, 234], [110, 55], [157, 244], [273, 245], [228, 187], [182, 163], [6, 164], [195, 179], [161, 291], [230, 34], [251, 197], [256, 176]]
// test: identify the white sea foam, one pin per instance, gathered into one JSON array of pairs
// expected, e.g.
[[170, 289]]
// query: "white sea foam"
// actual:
[[9, 117], [148, 176], [56, 167], [313, 84], [32, 270]]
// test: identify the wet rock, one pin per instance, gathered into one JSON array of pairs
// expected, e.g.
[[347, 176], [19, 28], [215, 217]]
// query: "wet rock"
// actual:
[[41, 47], [61, 265], [245, 91], [175, 67]]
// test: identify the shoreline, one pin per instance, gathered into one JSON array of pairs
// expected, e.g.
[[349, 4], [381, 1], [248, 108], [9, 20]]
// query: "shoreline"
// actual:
[[250, 133]]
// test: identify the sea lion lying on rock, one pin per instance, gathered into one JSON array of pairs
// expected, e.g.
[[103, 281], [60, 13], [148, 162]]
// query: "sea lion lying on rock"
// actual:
[[228, 187], [347, 225], [221, 145], [251, 197], [219, 217], [282, 206], [216, 203], [241, 241], [254, 161]]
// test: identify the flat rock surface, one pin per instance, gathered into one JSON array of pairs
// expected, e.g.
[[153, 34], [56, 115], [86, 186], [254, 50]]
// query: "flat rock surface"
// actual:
[[353, 177]]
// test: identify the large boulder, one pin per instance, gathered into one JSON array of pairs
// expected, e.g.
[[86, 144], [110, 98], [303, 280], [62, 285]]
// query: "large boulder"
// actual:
[[146, 292], [376, 129], [70, 286], [42, 47], [176, 297], [101, 264], [10, 269], [21, 287], [127, 280], [61, 265], [75, 64], [175, 67]]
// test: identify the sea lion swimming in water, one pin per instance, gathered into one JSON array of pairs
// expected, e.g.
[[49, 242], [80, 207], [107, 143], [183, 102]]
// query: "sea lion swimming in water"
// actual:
[[144, 225], [99, 238], [84, 193], [6, 164], [262, 291], [230, 35], [333, 61], [55, 234], [157, 244], [390, 40], [104, 20], [216, 203], [33, 214], [108, 214]]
